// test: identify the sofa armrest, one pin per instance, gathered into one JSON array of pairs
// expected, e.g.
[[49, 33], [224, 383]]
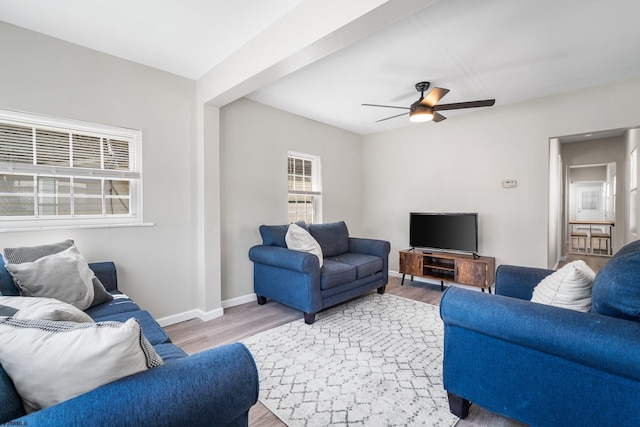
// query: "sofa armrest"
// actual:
[[604, 343], [276, 256], [374, 247], [214, 387], [518, 282]]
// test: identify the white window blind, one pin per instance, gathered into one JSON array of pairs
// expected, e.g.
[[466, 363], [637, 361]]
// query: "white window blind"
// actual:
[[57, 171]]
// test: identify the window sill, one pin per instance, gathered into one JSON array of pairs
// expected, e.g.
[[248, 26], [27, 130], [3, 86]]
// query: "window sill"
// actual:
[[76, 227]]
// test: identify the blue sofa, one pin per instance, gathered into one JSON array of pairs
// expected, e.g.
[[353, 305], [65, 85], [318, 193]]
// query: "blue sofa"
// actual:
[[544, 365], [352, 267], [214, 387]]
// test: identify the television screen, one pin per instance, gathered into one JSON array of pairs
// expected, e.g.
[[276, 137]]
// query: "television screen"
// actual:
[[444, 231]]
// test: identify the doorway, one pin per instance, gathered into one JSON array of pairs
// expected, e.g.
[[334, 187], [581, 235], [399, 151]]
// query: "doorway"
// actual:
[[583, 186]]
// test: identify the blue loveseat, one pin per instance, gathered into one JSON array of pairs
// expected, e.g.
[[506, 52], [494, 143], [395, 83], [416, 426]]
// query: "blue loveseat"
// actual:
[[351, 267], [212, 388], [544, 365]]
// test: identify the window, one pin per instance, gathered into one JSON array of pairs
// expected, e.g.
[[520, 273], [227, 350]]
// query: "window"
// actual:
[[305, 194], [57, 172]]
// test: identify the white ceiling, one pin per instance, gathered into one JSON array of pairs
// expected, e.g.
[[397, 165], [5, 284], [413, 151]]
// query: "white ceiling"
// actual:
[[184, 37], [510, 50]]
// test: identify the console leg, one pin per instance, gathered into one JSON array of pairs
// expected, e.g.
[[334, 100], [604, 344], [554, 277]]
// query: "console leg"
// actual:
[[381, 289], [441, 285], [309, 318], [458, 405], [402, 283], [262, 300]]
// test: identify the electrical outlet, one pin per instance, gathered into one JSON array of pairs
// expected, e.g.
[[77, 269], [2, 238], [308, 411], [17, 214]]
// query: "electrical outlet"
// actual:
[[509, 183]]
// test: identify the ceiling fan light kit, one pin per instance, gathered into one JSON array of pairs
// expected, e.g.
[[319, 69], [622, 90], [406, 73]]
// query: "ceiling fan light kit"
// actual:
[[420, 113], [425, 108]]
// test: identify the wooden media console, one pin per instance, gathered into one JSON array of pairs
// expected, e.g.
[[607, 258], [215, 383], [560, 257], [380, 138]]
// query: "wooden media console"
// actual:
[[449, 267]]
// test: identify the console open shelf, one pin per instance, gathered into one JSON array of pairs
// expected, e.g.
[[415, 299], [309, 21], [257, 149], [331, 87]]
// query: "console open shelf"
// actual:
[[448, 267]]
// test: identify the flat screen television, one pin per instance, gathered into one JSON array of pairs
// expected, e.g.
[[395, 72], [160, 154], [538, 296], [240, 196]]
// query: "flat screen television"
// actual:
[[457, 232]]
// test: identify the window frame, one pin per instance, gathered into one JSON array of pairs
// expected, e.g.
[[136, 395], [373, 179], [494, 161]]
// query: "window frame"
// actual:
[[316, 184], [132, 175]]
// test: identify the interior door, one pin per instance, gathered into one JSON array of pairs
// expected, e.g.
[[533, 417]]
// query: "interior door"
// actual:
[[590, 206]]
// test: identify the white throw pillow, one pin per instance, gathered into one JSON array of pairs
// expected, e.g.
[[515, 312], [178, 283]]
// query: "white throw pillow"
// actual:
[[568, 287], [40, 308], [65, 276], [299, 239], [50, 362]]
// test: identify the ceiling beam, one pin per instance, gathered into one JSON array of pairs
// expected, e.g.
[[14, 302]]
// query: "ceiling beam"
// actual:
[[311, 31]]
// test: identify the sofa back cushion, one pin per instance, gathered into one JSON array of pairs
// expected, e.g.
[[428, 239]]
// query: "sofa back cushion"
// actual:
[[616, 289], [333, 237], [274, 235], [7, 286]]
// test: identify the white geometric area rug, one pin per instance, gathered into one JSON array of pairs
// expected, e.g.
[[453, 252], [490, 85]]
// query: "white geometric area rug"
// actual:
[[374, 361]]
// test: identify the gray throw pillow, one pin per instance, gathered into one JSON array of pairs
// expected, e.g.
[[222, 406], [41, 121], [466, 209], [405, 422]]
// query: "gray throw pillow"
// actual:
[[24, 254], [65, 276]]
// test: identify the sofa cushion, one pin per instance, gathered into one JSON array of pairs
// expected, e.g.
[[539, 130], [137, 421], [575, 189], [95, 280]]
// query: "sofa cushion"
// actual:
[[44, 309], [168, 351], [29, 254], [274, 235], [365, 265], [7, 285], [11, 407], [616, 288], [120, 303], [335, 273], [299, 239], [333, 237], [50, 362], [150, 328], [568, 287]]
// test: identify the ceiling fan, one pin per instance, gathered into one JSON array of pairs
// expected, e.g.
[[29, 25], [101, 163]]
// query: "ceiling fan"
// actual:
[[426, 108]]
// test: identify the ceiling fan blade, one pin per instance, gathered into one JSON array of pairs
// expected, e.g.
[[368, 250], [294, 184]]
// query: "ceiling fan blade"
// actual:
[[470, 104], [386, 106], [392, 117], [437, 117], [434, 96]]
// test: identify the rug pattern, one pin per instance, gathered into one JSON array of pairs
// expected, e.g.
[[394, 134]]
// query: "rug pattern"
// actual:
[[375, 361]]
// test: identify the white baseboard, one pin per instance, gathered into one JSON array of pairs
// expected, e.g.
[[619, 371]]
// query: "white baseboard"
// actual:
[[238, 300], [205, 316], [191, 314]]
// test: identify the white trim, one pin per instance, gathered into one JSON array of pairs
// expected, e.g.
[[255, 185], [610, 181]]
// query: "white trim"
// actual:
[[74, 227], [191, 314], [205, 316], [239, 300]]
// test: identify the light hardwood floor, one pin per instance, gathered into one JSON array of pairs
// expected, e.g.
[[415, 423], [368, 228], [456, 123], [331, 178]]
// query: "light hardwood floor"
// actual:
[[245, 320]]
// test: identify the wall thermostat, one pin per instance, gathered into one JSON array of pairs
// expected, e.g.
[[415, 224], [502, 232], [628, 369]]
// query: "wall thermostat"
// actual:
[[509, 183]]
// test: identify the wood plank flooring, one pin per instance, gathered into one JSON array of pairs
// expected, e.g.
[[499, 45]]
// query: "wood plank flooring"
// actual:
[[245, 320]]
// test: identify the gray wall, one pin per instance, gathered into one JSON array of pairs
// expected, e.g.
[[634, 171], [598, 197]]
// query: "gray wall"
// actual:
[[458, 165], [371, 182], [253, 172], [51, 77]]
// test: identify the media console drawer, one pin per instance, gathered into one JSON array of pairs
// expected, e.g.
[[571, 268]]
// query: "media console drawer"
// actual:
[[449, 267]]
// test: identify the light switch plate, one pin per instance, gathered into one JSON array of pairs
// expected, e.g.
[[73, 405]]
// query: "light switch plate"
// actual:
[[510, 183]]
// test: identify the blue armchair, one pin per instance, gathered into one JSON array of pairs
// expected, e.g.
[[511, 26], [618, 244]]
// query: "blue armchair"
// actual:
[[544, 365], [351, 267]]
